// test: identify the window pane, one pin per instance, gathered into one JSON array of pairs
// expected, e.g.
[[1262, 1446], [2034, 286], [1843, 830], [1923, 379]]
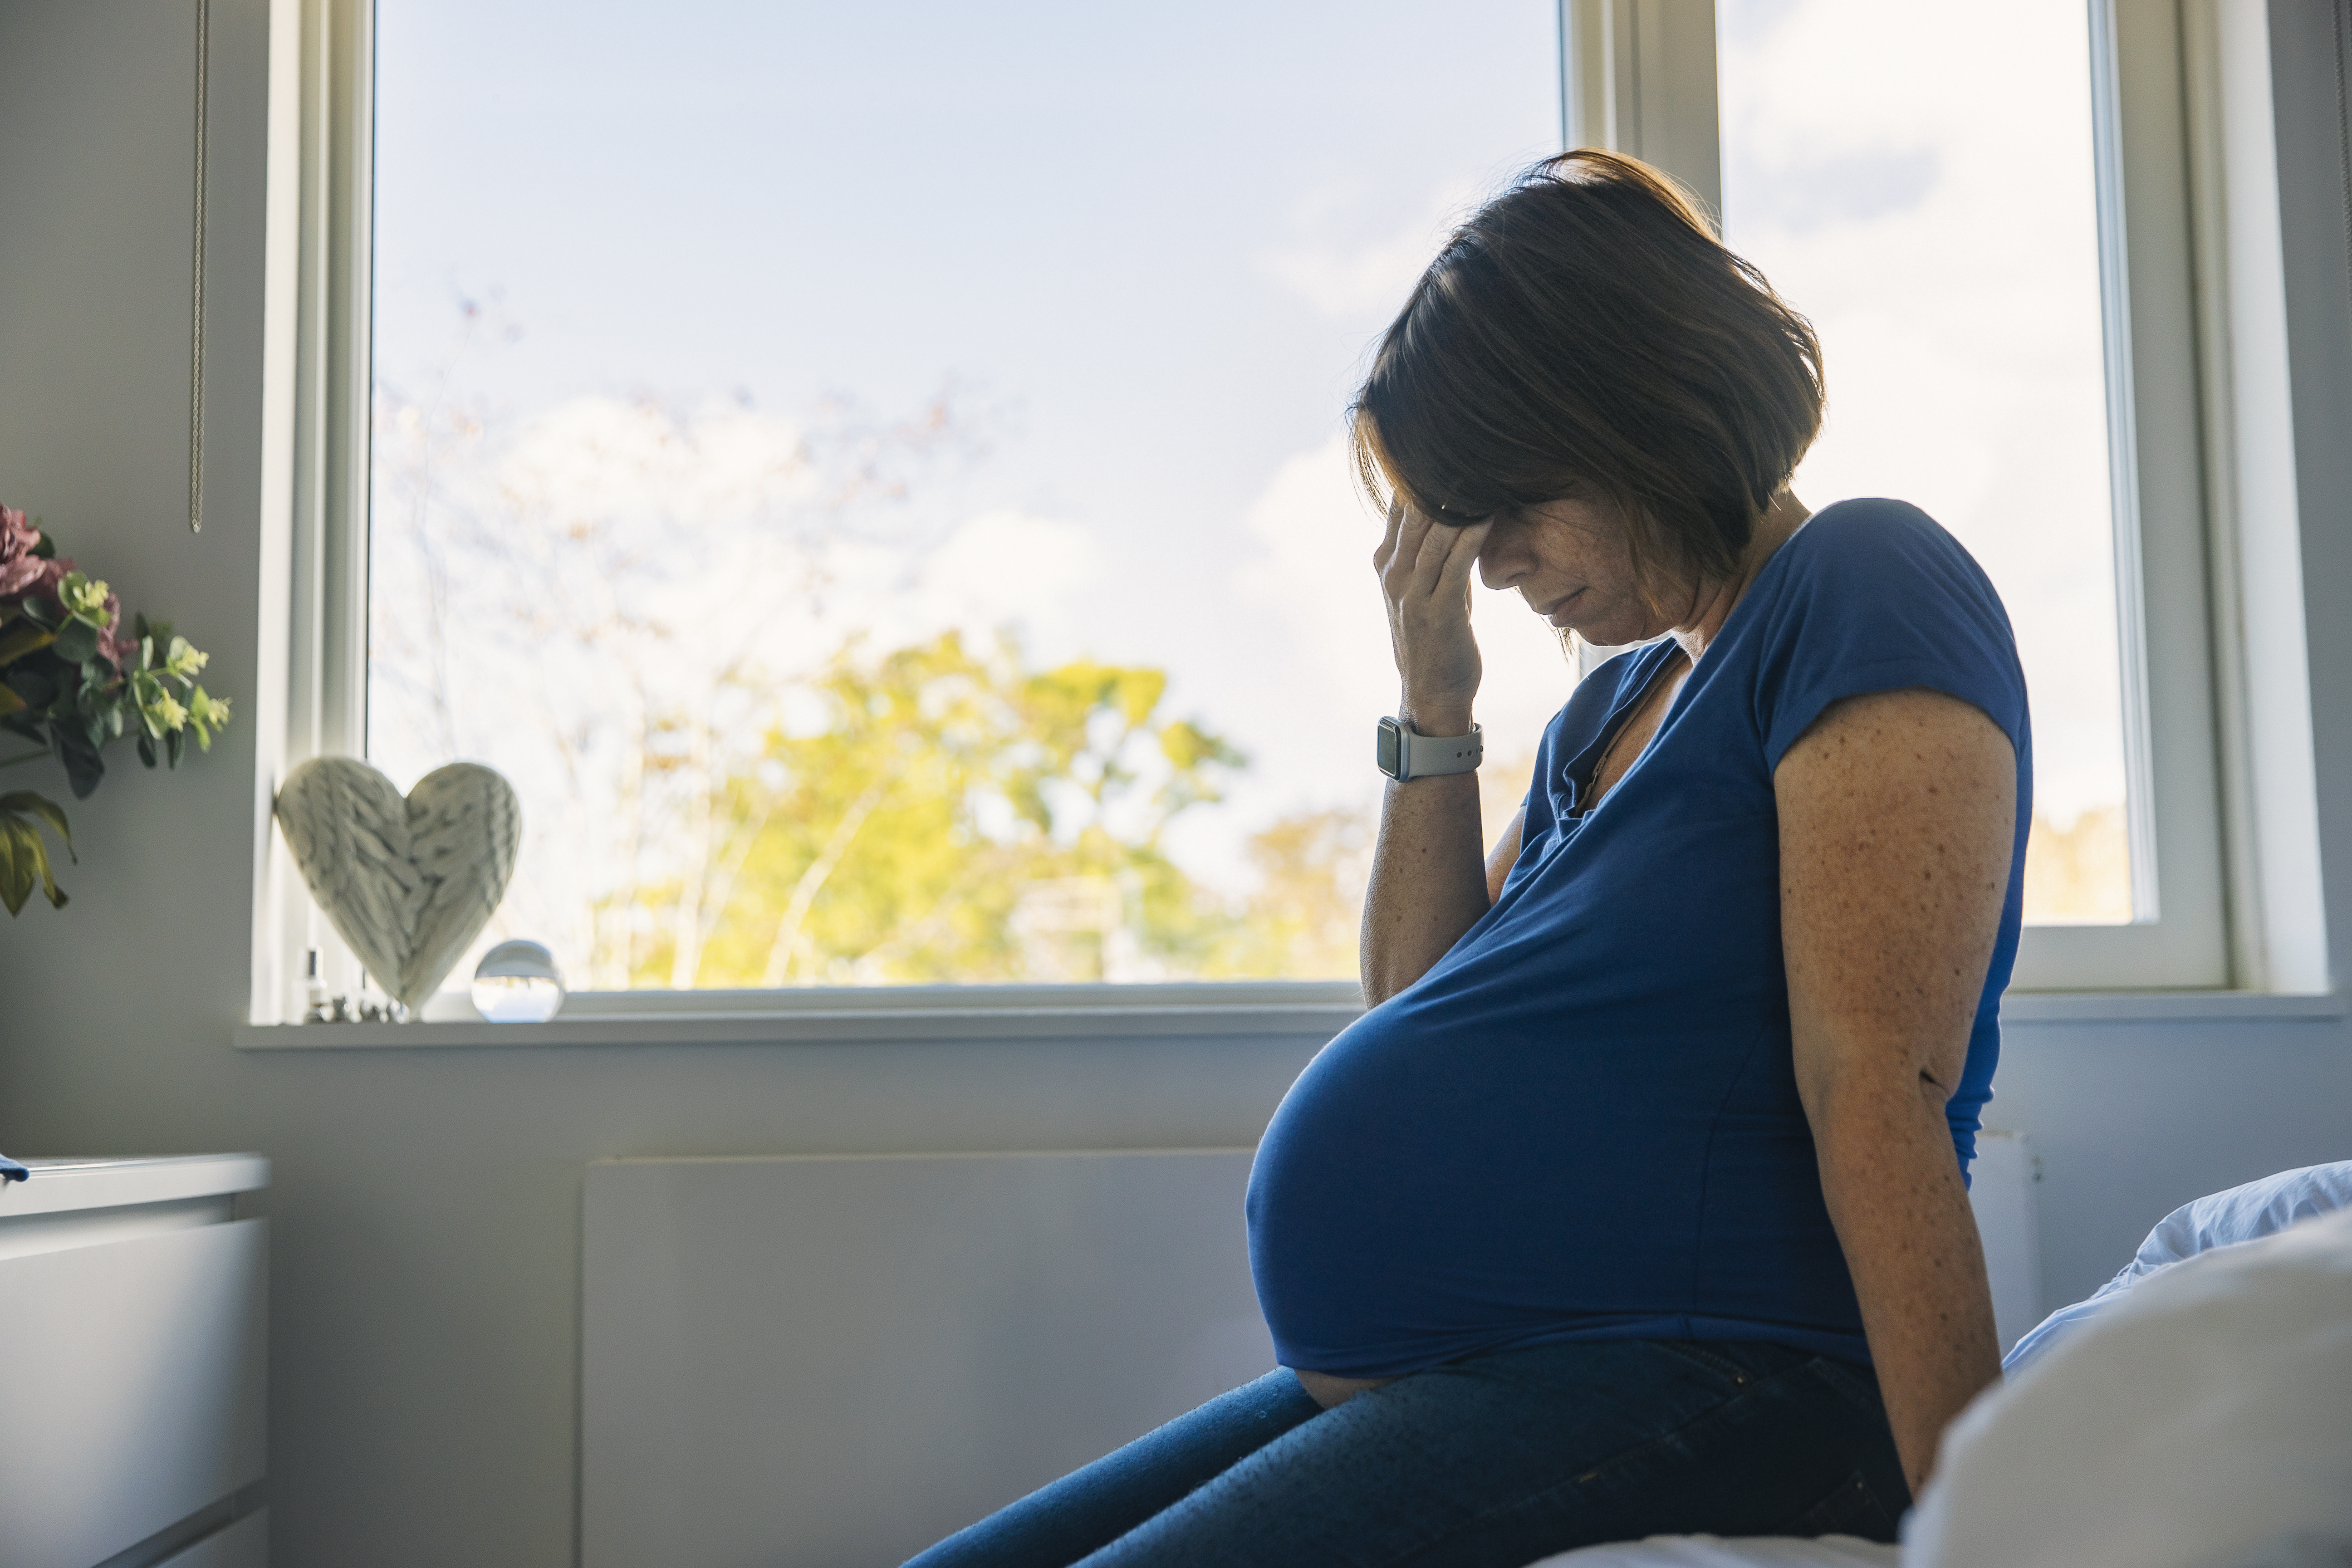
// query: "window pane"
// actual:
[[1918, 180], [871, 474]]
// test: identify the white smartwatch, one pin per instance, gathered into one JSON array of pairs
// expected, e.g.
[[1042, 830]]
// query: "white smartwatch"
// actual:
[[1404, 755]]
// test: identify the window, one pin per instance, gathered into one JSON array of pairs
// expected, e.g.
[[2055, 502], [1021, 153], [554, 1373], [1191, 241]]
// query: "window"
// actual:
[[1949, 259], [1975, 205], [746, 384], [872, 475]]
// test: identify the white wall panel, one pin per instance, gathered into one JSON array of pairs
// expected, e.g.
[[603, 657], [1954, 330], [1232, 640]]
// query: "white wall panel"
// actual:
[[838, 1361], [2002, 1191]]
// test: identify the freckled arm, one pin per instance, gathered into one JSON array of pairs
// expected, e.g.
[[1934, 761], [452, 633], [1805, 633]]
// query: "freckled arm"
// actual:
[[1897, 812]]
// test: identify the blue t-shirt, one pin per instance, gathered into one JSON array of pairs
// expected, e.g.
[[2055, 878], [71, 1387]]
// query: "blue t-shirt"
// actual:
[[1584, 1122]]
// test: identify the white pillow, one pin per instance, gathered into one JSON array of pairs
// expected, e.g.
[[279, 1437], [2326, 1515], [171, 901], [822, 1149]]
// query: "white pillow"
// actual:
[[2203, 1420], [1714, 1551], [2220, 1219]]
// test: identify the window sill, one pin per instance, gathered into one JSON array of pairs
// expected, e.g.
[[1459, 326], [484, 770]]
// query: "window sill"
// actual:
[[2167, 1006], [947, 1012], [849, 1016]]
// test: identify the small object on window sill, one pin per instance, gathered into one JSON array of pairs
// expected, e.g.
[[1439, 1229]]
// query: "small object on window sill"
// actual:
[[344, 1010], [10, 1171], [409, 881], [518, 982]]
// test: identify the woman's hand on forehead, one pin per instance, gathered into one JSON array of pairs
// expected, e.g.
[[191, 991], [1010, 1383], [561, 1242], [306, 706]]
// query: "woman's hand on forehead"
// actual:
[[1425, 567]]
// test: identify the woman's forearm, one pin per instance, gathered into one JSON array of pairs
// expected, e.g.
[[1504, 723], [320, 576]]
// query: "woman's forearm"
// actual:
[[1429, 878], [1897, 815], [1910, 1239]]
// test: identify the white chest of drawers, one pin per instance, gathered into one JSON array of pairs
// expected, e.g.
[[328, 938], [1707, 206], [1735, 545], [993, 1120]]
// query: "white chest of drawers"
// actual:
[[133, 1335]]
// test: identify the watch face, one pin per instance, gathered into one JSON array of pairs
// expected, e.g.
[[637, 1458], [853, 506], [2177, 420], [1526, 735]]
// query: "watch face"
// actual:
[[1391, 748]]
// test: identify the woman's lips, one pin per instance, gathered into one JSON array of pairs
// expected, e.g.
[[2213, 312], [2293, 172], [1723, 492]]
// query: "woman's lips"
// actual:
[[1560, 606]]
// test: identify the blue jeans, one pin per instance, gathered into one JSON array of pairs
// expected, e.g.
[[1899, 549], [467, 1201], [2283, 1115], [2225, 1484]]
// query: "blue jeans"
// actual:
[[1492, 1461]]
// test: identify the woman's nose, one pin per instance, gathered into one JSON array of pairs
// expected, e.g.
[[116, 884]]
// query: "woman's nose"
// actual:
[[1501, 561]]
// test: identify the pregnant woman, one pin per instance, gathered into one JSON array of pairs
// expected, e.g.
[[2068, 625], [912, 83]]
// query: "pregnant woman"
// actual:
[[1635, 1204]]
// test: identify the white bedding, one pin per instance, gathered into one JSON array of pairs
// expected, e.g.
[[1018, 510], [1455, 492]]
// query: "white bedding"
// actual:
[[2203, 1420], [2242, 1213], [2196, 1416], [1712, 1552]]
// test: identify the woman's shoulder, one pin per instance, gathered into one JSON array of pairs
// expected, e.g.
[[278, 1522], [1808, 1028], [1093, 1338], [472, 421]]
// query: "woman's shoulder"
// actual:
[[1873, 593], [1872, 534], [1883, 554]]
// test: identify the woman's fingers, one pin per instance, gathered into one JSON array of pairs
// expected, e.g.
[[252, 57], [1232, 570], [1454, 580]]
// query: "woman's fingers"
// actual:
[[1405, 563], [1387, 552], [1461, 559], [1417, 560], [1437, 542], [1427, 581]]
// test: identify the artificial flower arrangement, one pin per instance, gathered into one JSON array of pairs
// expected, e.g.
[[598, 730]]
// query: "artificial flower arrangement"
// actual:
[[70, 682]]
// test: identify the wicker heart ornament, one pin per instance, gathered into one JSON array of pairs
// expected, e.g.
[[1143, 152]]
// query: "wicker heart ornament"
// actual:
[[409, 882]]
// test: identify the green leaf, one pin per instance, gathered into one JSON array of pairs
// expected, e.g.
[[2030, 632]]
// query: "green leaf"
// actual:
[[10, 701], [174, 745], [147, 749], [84, 766], [25, 802], [24, 858], [18, 641], [33, 682], [15, 869], [76, 640]]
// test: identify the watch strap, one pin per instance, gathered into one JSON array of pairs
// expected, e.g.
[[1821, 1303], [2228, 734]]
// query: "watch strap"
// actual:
[[1418, 756]]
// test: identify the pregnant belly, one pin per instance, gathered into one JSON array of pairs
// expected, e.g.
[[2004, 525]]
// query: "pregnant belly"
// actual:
[[1424, 1194]]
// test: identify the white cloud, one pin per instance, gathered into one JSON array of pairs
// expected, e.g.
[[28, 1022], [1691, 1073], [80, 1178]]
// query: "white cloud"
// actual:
[[1001, 568], [716, 460], [1346, 268]]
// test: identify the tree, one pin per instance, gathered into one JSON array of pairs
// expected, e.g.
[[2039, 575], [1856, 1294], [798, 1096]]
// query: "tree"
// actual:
[[956, 816], [638, 610], [1305, 918]]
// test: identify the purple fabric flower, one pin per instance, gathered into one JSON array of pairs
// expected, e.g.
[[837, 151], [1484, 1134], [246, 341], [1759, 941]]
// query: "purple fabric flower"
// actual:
[[18, 564], [23, 575], [34, 575]]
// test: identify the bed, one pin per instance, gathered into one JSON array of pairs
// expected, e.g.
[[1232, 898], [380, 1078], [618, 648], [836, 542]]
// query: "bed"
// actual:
[[1754, 1552], [2196, 1412]]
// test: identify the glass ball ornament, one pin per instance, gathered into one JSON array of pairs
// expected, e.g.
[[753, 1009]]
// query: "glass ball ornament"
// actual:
[[518, 982]]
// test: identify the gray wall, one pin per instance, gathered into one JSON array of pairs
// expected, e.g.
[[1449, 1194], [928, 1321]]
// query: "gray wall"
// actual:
[[428, 1203]]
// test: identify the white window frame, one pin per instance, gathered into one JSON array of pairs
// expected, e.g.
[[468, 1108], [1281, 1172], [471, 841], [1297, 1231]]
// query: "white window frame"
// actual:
[[2225, 895], [2195, 341]]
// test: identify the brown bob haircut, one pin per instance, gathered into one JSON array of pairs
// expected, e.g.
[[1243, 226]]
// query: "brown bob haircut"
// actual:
[[1587, 334]]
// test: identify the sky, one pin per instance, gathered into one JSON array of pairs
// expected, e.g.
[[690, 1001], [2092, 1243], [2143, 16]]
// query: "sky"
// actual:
[[1147, 250], [1940, 227], [1149, 247]]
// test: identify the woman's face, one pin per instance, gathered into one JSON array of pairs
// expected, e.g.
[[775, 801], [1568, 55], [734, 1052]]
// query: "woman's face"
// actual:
[[1570, 561]]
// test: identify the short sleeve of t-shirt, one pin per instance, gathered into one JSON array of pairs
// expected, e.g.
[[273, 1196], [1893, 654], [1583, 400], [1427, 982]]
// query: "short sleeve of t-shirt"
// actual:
[[1882, 599]]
